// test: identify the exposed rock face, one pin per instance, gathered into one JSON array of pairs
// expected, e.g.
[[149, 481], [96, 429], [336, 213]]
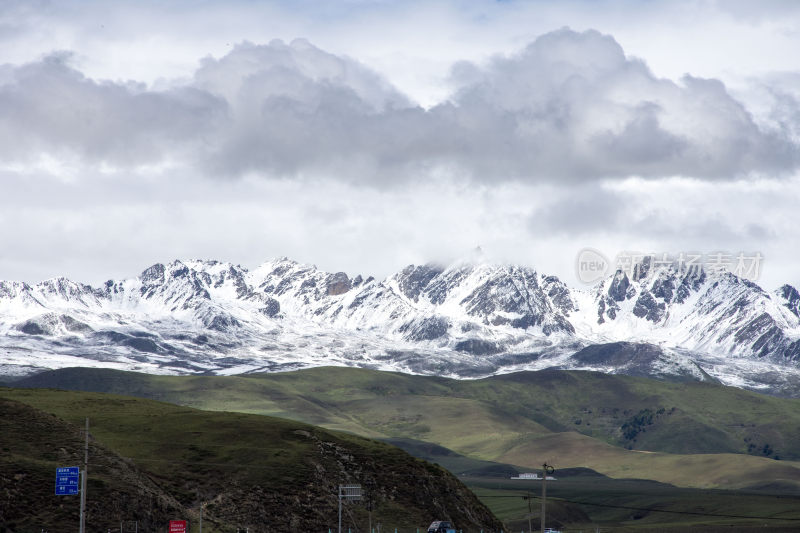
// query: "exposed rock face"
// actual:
[[691, 282], [153, 276], [338, 284], [648, 308], [478, 347], [791, 299], [413, 279], [426, 329], [53, 324], [559, 294], [618, 290], [272, 307], [635, 359], [664, 288], [33, 327]]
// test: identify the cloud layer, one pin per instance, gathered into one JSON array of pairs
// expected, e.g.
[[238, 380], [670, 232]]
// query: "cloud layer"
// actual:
[[569, 106], [287, 148]]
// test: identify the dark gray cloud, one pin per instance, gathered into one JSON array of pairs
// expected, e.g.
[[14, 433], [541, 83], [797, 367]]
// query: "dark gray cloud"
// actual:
[[568, 107], [49, 108]]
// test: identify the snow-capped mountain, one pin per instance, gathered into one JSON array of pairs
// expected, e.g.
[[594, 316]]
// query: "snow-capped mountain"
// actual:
[[466, 320], [723, 314]]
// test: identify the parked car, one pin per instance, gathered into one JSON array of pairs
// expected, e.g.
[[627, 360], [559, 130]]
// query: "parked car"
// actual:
[[440, 526]]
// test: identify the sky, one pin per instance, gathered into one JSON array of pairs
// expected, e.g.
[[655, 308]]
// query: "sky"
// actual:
[[363, 136]]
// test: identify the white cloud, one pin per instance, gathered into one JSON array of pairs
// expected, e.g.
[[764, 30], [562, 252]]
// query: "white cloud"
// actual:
[[366, 150], [569, 105]]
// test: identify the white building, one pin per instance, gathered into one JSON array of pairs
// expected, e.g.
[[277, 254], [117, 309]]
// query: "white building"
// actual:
[[531, 475]]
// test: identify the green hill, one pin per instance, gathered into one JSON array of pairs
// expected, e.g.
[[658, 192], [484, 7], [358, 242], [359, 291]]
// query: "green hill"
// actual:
[[690, 434], [153, 461], [33, 443]]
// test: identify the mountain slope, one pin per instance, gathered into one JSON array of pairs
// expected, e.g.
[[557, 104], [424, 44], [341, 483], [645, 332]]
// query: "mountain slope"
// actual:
[[247, 470], [35, 443], [465, 320]]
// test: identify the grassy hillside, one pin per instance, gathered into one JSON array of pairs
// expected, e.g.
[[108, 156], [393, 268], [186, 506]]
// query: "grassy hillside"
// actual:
[[600, 421], [33, 443], [247, 470]]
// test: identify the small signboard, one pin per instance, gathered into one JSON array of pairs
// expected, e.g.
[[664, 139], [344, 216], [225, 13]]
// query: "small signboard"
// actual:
[[68, 479], [350, 492], [177, 526]]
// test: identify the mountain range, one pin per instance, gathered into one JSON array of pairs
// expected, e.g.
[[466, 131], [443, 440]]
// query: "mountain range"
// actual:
[[466, 320]]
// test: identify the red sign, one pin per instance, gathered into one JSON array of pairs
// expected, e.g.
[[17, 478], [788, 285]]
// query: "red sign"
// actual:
[[177, 526]]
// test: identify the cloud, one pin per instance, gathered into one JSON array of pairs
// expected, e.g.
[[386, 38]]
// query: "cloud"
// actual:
[[758, 13], [578, 108], [678, 213], [50, 108], [588, 210], [328, 161], [569, 107], [298, 110]]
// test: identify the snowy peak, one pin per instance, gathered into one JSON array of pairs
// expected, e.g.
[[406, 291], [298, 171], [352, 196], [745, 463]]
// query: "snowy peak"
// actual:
[[466, 319], [496, 295], [17, 295], [64, 290], [713, 313], [652, 293], [413, 280]]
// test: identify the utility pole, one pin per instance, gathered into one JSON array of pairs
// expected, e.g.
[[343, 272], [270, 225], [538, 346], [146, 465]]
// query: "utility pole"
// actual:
[[530, 512], [369, 506], [83, 478], [546, 469]]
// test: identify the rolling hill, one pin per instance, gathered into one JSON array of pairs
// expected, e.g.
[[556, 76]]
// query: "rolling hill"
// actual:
[[689, 434], [152, 461]]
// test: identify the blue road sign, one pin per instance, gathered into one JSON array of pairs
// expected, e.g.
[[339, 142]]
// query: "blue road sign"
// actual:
[[67, 480]]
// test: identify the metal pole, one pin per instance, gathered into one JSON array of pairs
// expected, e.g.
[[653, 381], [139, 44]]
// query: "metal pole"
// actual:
[[83, 478], [530, 512], [544, 492], [340, 509]]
